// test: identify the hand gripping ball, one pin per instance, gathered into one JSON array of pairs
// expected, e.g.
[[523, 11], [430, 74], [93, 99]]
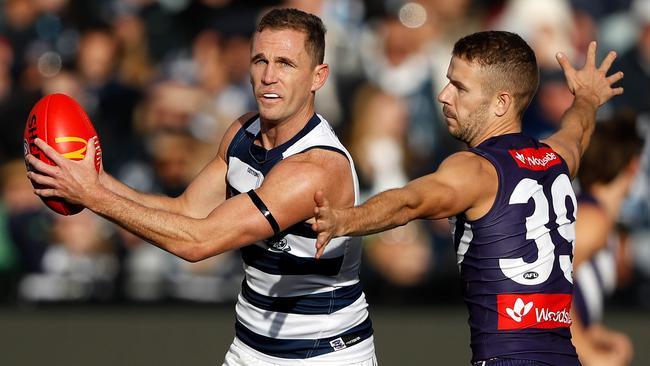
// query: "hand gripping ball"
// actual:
[[62, 123]]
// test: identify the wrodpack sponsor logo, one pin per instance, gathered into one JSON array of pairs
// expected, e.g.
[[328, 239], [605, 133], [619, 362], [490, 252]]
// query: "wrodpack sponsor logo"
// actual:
[[520, 311], [535, 159]]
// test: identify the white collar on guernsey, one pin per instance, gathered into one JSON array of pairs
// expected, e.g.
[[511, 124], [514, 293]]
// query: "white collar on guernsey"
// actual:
[[254, 127]]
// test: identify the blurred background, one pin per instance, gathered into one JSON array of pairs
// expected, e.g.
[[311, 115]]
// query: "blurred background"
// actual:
[[162, 79]]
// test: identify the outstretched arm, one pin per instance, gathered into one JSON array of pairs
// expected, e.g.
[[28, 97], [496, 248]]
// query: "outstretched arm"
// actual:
[[234, 223], [591, 88], [448, 191]]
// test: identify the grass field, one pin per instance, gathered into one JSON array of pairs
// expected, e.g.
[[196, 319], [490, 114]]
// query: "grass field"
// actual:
[[182, 335]]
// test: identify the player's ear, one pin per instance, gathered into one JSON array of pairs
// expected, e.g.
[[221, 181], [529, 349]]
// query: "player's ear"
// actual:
[[321, 72], [503, 103]]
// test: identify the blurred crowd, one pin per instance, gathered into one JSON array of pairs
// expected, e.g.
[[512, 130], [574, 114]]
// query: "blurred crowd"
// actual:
[[162, 79]]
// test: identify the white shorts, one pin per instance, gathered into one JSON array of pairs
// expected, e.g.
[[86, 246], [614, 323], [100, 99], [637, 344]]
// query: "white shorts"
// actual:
[[362, 354]]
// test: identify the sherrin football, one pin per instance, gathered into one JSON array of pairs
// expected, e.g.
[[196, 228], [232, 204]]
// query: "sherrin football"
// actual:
[[62, 123]]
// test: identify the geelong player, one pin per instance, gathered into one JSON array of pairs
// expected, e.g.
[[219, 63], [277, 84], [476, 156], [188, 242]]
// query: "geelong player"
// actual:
[[509, 198], [601, 250], [257, 195]]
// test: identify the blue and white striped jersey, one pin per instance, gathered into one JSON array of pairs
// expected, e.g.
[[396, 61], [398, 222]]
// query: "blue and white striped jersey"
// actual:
[[292, 305]]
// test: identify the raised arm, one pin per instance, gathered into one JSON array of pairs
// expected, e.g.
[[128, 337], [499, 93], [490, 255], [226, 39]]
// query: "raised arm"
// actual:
[[450, 190], [591, 88]]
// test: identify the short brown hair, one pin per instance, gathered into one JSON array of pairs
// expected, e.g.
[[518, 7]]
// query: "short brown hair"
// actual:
[[613, 145], [508, 57], [311, 25]]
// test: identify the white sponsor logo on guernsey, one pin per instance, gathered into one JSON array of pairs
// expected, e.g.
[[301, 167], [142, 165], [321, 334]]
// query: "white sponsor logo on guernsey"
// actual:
[[535, 158], [543, 161], [519, 310], [545, 315], [515, 311], [521, 157]]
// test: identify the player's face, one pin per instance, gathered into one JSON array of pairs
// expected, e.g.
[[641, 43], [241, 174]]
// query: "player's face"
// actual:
[[464, 106], [283, 75]]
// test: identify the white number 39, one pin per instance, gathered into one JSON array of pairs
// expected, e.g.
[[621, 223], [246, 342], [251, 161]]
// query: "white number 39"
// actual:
[[516, 268]]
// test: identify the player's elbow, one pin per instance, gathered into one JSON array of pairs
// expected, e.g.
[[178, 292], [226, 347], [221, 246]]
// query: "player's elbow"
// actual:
[[193, 253], [196, 250]]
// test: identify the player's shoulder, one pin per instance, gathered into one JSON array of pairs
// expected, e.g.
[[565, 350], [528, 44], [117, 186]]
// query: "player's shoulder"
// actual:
[[467, 163], [319, 160], [232, 130]]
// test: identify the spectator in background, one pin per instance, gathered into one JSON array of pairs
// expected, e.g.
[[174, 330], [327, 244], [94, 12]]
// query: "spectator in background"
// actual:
[[12, 199], [79, 264], [548, 26], [635, 63], [608, 168], [151, 274], [135, 67], [26, 217], [108, 101], [396, 59], [553, 98], [402, 256]]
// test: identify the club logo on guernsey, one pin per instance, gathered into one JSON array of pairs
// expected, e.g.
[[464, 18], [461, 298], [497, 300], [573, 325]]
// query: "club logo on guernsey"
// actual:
[[535, 159], [278, 245], [520, 311]]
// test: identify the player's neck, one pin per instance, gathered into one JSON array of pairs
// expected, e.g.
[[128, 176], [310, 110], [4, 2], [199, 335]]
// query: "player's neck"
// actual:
[[276, 133], [496, 128]]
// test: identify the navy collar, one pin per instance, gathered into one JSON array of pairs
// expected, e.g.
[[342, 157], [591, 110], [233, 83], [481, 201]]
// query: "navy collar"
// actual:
[[262, 155]]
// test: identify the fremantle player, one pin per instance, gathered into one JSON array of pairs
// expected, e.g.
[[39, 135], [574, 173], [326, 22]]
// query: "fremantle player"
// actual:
[[292, 309], [509, 198]]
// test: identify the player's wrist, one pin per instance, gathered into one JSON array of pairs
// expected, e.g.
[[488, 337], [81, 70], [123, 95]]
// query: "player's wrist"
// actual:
[[587, 99], [96, 194]]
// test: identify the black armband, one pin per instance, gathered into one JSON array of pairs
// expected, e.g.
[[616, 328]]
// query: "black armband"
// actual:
[[264, 210]]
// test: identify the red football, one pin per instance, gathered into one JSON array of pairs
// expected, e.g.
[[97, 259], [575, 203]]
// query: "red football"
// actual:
[[61, 122]]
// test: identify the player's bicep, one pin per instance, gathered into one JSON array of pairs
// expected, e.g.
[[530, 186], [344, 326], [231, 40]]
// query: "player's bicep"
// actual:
[[283, 200], [288, 192], [233, 224], [431, 197], [566, 145], [453, 188]]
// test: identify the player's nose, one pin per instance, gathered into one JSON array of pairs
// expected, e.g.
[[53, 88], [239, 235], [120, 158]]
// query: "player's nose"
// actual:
[[443, 96], [269, 76]]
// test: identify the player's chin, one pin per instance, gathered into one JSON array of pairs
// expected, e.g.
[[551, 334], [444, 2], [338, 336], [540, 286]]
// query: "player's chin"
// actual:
[[270, 114]]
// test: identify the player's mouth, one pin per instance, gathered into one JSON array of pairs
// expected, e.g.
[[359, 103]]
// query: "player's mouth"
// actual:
[[270, 97], [448, 114]]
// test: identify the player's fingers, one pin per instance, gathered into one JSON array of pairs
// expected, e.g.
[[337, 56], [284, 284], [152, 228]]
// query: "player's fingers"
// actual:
[[617, 91], [40, 166], [607, 61], [91, 149], [321, 243], [591, 54], [320, 251], [45, 192], [566, 66], [615, 77], [40, 179], [319, 198], [49, 151]]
